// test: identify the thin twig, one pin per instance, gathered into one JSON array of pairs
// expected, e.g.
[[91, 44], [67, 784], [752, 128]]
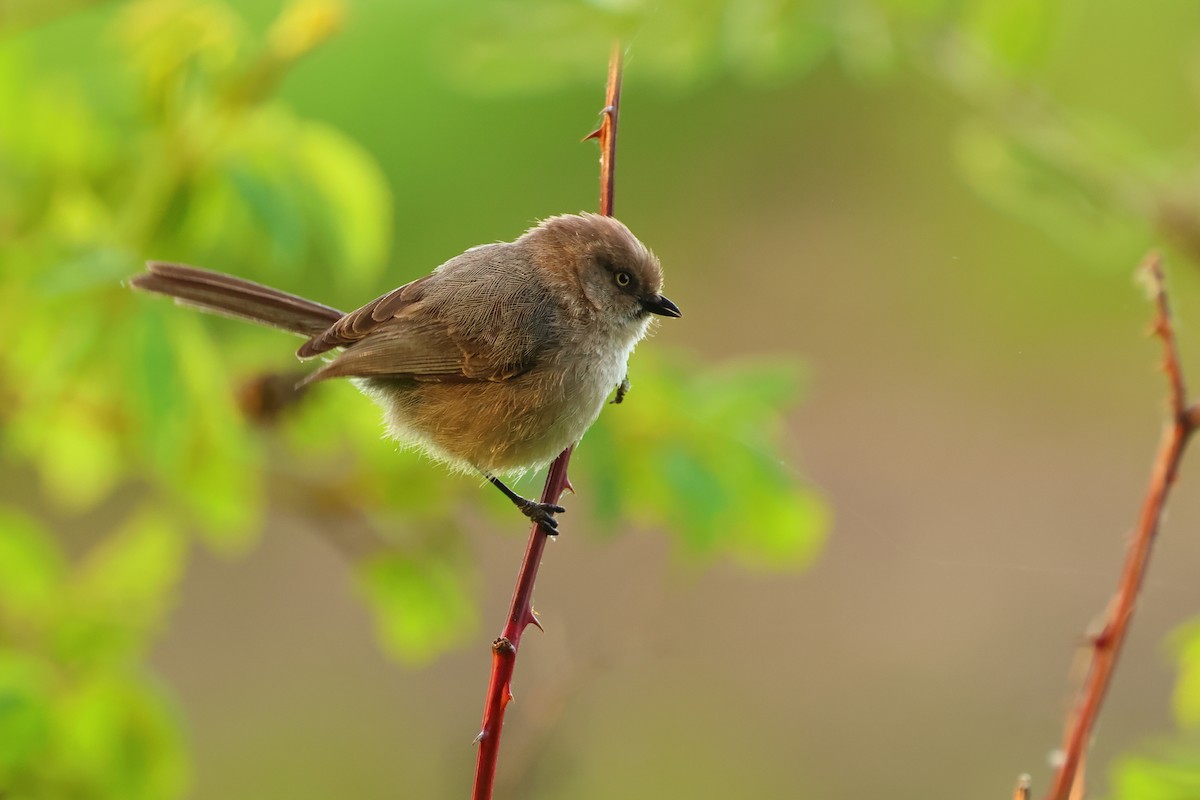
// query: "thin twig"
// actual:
[[520, 613], [607, 132], [1106, 646]]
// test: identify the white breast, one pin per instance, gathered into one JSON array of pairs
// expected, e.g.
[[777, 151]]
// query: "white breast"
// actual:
[[597, 375]]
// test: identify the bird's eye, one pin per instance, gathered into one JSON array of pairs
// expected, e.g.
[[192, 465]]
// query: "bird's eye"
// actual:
[[623, 278]]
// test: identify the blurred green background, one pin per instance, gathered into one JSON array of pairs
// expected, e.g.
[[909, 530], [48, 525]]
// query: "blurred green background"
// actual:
[[843, 539]]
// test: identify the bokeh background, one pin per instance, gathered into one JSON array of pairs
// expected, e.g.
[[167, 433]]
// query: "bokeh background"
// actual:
[[843, 540]]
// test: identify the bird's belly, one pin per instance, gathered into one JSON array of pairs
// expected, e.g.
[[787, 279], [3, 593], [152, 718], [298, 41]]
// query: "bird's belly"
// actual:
[[504, 427]]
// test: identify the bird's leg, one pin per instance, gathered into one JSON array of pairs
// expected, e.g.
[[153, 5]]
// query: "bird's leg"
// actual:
[[541, 513], [622, 390]]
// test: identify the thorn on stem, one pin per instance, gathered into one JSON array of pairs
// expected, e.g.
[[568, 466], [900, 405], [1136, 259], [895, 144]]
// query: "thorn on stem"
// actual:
[[1192, 417], [608, 112], [534, 621], [1149, 273], [479, 737], [1103, 639]]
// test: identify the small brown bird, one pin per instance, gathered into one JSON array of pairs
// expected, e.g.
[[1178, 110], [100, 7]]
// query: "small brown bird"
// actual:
[[497, 361]]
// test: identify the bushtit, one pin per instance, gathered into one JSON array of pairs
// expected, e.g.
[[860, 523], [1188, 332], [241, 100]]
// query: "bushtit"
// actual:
[[497, 361]]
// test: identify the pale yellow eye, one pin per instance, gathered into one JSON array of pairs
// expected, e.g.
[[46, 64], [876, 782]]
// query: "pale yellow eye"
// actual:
[[623, 279]]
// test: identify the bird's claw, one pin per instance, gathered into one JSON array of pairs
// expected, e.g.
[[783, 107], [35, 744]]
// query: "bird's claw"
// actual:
[[543, 515], [622, 390]]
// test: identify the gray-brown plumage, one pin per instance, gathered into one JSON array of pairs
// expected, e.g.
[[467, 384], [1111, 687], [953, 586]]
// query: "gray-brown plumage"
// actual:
[[497, 361]]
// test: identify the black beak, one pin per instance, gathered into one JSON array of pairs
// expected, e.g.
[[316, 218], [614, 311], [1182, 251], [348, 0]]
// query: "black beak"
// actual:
[[657, 304]]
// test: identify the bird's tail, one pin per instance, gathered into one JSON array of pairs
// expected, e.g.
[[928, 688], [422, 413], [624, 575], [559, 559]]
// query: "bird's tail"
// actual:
[[234, 297]]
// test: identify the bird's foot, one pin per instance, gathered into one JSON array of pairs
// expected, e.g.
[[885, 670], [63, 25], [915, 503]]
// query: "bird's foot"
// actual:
[[622, 390], [542, 514]]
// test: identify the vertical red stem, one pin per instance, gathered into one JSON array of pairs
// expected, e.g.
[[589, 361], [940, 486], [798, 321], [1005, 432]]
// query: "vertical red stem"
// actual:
[[607, 132], [520, 612], [504, 649]]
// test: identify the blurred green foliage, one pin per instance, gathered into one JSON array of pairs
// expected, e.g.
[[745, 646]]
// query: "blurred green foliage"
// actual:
[[1187, 691], [162, 139], [1092, 181], [654, 461], [161, 136], [1172, 774], [1170, 771], [79, 715]]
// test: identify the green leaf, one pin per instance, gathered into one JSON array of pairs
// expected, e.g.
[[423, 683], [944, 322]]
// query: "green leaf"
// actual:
[[156, 384], [135, 570], [273, 206], [697, 452], [117, 737], [80, 460], [25, 715], [1171, 776], [774, 39], [1074, 198], [1186, 645], [225, 497], [122, 591], [355, 201], [96, 268], [422, 607], [172, 41], [1015, 32], [31, 568], [215, 469], [786, 528]]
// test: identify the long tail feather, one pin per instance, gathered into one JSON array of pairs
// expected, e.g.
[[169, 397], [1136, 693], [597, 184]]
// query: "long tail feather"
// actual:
[[235, 297]]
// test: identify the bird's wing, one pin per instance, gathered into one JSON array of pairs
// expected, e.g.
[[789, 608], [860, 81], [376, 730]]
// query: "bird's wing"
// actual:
[[356, 325], [402, 348], [475, 324]]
